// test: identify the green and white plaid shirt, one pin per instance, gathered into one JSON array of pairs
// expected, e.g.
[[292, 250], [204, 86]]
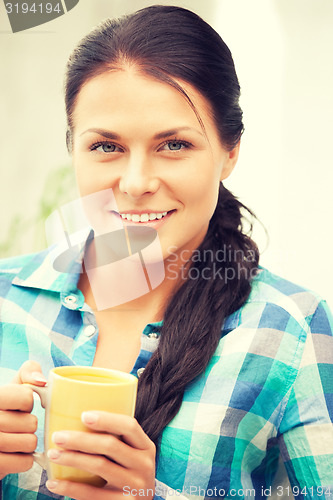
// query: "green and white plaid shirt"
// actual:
[[266, 394]]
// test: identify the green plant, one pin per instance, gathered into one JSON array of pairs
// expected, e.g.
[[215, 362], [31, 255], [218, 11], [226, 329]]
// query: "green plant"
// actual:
[[26, 235]]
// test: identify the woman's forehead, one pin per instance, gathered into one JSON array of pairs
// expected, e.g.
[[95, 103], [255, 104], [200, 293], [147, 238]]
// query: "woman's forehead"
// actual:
[[127, 95]]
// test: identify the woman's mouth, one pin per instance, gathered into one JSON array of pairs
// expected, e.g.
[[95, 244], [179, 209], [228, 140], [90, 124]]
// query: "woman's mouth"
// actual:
[[144, 217], [147, 218]]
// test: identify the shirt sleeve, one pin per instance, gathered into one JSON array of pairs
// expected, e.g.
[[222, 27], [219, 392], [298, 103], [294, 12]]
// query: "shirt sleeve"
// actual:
[[164, 492], [306, 431]]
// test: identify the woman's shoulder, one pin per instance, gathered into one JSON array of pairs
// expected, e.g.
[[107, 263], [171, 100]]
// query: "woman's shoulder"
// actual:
[[16, 263], [277, 297], [28, 271], [280, 328], [280, 311], [11, 267]]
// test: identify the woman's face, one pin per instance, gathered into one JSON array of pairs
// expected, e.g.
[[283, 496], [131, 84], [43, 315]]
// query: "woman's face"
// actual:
[[141, 138]]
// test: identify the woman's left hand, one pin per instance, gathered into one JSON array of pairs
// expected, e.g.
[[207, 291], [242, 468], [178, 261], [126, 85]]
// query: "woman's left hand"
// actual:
[[121, 453]]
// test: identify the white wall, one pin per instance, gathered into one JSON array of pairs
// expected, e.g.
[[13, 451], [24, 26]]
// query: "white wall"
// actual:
[[282, 51], [283, 55]]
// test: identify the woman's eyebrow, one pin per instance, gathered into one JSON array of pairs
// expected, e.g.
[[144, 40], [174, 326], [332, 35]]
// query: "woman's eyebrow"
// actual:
[[105, 133], [175, 131], [160, 135]]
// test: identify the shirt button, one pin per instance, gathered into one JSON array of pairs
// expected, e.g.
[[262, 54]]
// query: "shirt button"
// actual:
[[140, 371], [70, 299], [153, 335], [89, 330]]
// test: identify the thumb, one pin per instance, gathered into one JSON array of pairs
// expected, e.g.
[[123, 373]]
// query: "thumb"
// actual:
[[30, 373]]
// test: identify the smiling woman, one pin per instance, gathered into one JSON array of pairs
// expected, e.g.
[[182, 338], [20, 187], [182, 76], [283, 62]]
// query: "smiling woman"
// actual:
[[224, 349]]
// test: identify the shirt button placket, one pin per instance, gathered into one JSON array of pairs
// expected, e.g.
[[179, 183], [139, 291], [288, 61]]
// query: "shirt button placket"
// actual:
[[89, 330], [70, 300]]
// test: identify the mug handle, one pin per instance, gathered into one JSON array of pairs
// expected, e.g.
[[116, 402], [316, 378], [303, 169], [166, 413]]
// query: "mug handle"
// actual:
[[39, 458]]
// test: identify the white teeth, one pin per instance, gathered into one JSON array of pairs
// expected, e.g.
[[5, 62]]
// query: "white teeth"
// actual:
[[143, 217]]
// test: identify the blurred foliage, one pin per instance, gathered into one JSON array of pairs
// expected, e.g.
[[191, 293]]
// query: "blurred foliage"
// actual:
[[27, 235]]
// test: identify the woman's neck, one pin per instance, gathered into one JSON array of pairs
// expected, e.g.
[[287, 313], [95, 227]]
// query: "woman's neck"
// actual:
[[127, 286]]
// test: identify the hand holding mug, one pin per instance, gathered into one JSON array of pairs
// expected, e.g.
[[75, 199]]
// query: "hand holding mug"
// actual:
[[121, 453], [17, 424], [91, 437]]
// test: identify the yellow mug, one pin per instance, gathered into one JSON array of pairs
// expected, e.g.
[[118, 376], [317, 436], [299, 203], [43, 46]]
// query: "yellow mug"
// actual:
[[70, 391]]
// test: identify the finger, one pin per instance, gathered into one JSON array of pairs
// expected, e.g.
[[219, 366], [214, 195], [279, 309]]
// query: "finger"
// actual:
[[121, 425], [114, 474], [30, 373], [14, 443], [13, 421], [15, 397], [83, 491], [13, 463], [99, 444]]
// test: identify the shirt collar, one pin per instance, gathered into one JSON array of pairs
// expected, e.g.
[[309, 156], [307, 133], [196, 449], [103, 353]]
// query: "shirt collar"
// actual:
[[43, 272], [153, 328]]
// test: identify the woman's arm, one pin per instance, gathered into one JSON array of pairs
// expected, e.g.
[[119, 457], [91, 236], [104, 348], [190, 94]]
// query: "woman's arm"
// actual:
[[306, 430]]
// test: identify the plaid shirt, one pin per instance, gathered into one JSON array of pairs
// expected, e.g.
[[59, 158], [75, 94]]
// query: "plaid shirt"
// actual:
[[266, 394]]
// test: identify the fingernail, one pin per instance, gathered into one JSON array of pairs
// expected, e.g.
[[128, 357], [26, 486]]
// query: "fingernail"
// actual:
[[38, 377], [60, 437], [51, 485], [53, 454], [89, 417]]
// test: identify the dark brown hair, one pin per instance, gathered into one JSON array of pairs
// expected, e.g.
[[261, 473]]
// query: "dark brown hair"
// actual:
[[171, 43]]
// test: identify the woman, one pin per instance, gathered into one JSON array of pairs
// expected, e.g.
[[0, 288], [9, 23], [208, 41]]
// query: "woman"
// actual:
[[235, 363]]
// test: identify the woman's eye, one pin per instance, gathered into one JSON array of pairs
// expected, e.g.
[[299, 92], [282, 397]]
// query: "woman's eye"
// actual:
[[105, 147], [174, 145]]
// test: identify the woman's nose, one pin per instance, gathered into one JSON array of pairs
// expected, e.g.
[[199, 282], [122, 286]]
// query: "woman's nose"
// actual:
[[138, 177]]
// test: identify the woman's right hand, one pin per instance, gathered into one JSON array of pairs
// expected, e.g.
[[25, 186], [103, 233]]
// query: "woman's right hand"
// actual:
[[17, 425]]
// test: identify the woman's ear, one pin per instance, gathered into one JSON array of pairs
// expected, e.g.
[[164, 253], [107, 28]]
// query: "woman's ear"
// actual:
[[230, 162]]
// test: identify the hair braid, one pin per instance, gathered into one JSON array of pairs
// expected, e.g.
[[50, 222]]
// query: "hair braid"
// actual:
[[194, 317]]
